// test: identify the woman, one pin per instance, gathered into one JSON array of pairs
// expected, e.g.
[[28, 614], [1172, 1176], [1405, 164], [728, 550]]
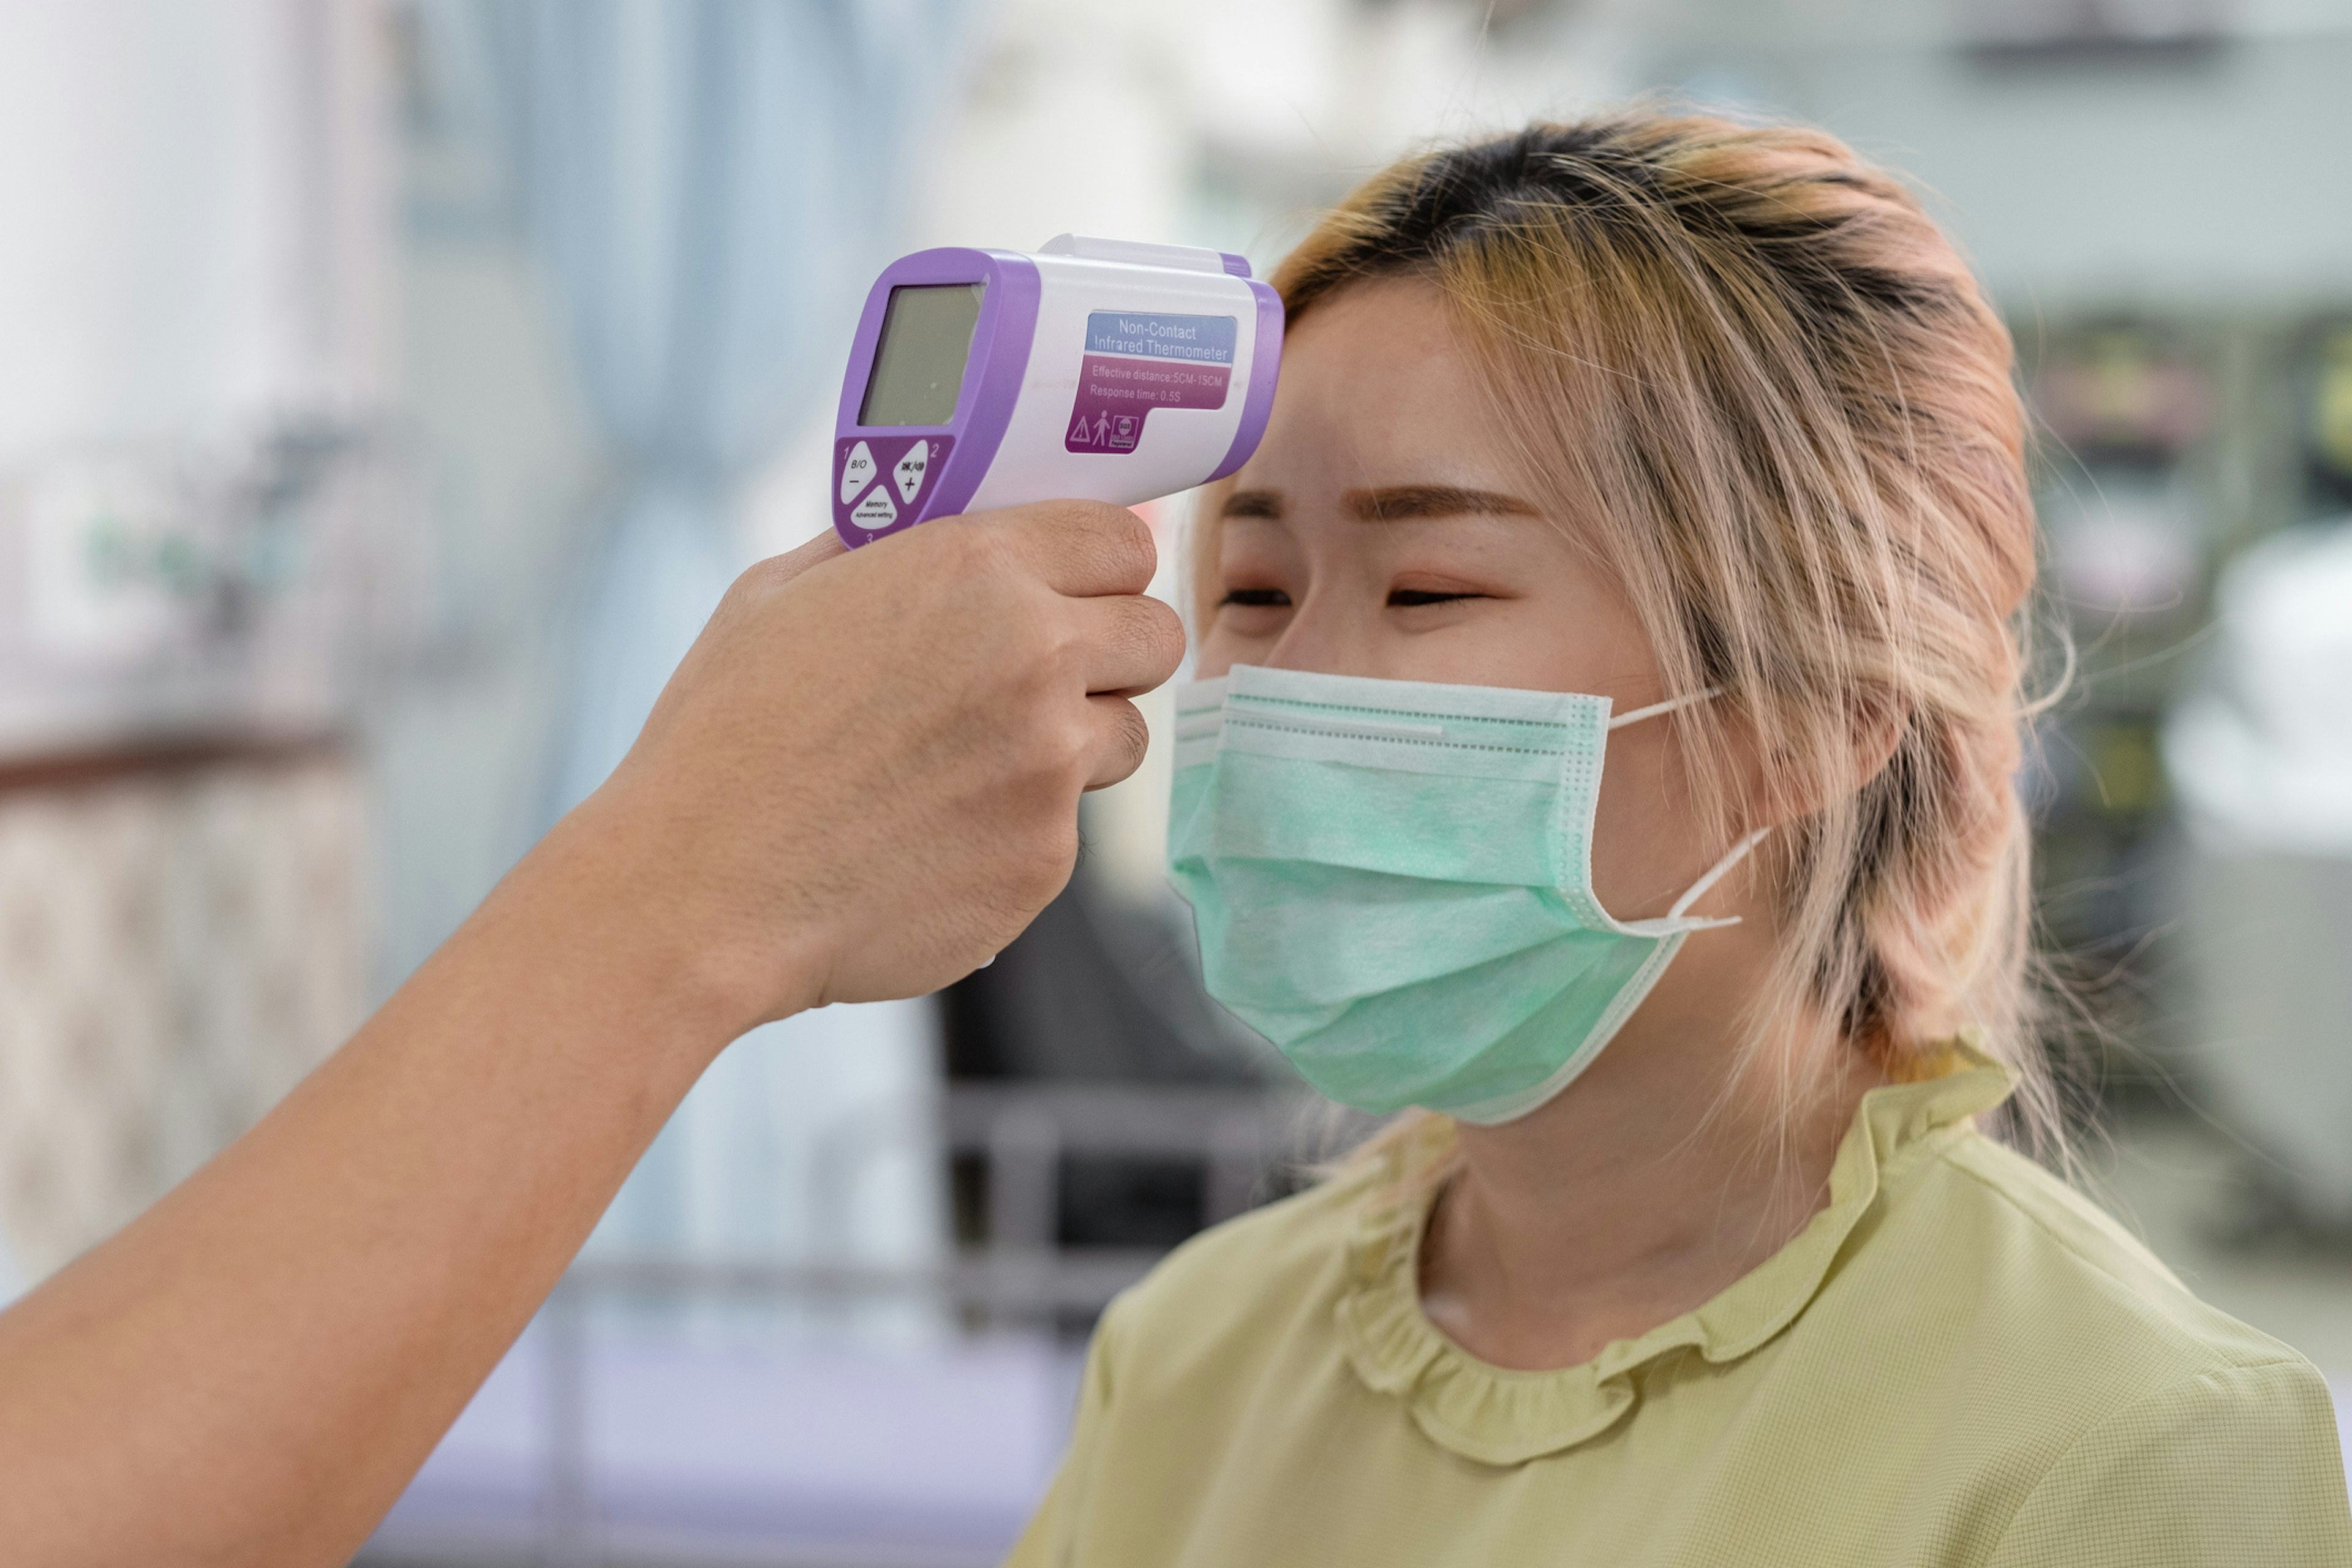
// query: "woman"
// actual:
[[1705, 426]]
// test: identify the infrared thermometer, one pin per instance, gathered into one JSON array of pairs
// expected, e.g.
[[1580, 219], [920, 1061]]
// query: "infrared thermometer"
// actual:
[[1092, 369]]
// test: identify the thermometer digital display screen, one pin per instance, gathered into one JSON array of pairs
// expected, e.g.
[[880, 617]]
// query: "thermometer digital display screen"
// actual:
[[919, 361]]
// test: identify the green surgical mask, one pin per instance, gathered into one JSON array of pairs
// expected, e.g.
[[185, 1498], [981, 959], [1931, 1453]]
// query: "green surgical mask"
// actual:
[[1392, 882]]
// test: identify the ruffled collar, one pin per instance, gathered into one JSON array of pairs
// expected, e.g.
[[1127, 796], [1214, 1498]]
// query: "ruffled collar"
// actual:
[[1498, 1416]]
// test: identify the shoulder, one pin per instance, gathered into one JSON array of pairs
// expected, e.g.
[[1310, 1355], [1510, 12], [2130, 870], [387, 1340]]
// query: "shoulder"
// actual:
[[2147, 1421], [2086, 1408], [2229, 1464], [1237, 1288], [2050, 1257]]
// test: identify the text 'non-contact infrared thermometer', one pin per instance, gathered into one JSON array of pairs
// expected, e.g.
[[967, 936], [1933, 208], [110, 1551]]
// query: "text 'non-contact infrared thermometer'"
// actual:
[[1095, 368]]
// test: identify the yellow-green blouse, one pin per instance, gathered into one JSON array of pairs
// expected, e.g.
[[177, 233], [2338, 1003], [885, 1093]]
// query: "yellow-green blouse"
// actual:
[[1958, 1361]]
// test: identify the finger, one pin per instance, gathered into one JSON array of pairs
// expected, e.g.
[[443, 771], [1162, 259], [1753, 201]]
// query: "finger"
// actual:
[[1130, 643], [1079, 547], [782, 569], [1119, 742]]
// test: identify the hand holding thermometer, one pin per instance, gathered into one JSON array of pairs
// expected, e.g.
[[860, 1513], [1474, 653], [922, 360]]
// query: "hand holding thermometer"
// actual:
[[1095, 368]]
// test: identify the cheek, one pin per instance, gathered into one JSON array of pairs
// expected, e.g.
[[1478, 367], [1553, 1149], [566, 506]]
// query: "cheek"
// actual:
[[1221, 645], [1643, 853], [1215, 658]]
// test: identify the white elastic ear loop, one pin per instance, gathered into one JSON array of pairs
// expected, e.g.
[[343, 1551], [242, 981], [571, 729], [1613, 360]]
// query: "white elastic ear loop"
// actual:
[[1738, 851], [1698, 889], [1668, 706]]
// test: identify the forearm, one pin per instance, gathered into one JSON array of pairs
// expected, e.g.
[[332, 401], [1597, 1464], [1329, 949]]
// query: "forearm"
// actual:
[[252, 1371], [861, 781]]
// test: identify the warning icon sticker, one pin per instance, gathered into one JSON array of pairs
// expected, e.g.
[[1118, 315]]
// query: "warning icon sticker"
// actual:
[[1117, 395]]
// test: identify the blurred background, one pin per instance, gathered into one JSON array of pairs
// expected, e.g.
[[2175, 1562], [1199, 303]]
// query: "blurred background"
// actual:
[[388, 388]]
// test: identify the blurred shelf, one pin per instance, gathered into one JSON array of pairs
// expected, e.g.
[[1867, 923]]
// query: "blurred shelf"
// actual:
[[70, 767]]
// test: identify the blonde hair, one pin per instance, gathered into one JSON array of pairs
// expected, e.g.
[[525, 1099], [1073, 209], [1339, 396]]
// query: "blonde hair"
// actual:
[[1782, 413]]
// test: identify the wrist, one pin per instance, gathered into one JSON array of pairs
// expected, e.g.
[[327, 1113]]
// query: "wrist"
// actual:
[[626, 916]]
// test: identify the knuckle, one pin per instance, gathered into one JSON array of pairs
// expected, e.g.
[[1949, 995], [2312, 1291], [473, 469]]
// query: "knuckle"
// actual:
[[1026, 620], [1160, 626], [1127, 542], [1081, 517], [1060, 648], [1124, 748], [1092, 520], [1051, 528], [1073, 750], [1138, 636], [1050, 854], [1171, 639], [1152, 637], [1128, 527], [1134, 744], [1103, 538], [1048, 753], [978, 539]]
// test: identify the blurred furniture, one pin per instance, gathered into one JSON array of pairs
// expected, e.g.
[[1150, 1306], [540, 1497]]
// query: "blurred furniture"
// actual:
[[2129, 402], [204, 537], [185, 632], [1098, 990], [2179, 436], [1101, 992], [2271, 958], [180, 938], [2261, 753], [613, 1433], [199, 516]]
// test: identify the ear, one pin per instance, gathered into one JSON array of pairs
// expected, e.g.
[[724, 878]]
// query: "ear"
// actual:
[[1781, 786], [1874, 728]]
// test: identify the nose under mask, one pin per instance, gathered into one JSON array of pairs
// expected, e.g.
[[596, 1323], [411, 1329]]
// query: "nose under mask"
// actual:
[[1392, 882]]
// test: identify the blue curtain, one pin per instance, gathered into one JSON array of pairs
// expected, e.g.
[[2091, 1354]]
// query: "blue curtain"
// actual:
[[710, 184]]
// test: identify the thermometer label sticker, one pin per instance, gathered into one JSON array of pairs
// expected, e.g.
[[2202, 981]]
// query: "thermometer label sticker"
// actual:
[[1202, 339], [1137, 363]]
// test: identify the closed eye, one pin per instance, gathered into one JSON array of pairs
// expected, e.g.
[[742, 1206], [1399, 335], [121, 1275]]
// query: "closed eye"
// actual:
[[1406, 598], [1268, 597]]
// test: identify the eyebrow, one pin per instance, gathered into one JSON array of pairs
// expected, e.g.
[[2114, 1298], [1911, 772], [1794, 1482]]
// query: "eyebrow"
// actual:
[[1393, 503]]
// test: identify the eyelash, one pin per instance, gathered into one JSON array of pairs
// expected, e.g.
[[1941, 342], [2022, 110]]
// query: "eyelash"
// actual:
[[1275, 598]]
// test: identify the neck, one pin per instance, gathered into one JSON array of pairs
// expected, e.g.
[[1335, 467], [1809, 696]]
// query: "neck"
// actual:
[[1671, 1167]]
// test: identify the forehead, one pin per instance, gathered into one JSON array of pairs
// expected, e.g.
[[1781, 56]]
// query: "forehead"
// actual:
[[1379, 387]]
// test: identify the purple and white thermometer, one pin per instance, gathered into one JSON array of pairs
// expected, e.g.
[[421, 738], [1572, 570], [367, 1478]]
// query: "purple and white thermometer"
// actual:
[[1096, 369]]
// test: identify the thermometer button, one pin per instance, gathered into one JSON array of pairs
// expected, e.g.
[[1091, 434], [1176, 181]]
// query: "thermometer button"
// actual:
[[909, 473], [875, 512], [857, 471]]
